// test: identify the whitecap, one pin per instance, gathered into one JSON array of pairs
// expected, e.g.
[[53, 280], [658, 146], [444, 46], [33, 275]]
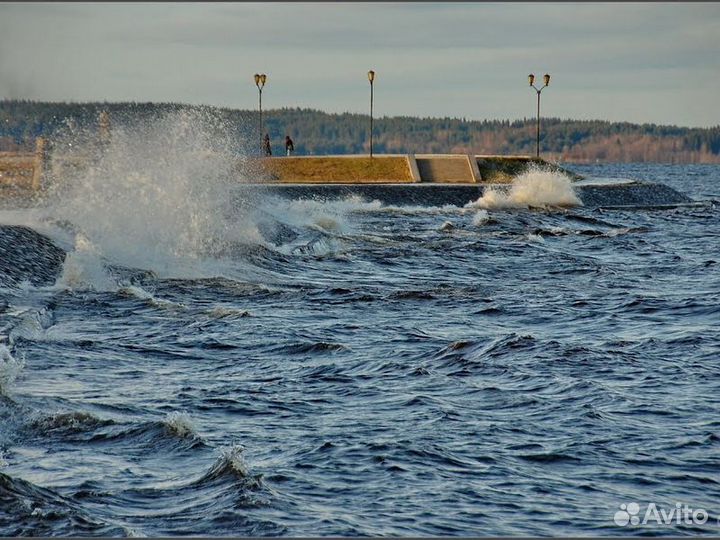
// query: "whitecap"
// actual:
[[481, 218], [180, 424], [32, 326], [10, 368]]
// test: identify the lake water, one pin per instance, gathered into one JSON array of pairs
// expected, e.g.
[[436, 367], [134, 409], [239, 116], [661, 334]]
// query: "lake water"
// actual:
[[199, 365]]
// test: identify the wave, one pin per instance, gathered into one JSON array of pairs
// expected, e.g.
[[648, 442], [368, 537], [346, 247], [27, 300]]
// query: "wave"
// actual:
[[32, 326], [412, 295], [10, 368], [467, 353], [482, 218], [325, 216], [311, 347], [176, 432], [84, 269], [180, 425], [536, 188], [134, 291], [230, 465], [26, 255], [218, 500], [157, 202], [158, 198], [549, 457], [31, 510], [226, 312], [65, 423]]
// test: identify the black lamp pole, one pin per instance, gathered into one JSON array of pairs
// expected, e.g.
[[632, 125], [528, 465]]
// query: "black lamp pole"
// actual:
[[260, 82], [371, 78], [531, 79]]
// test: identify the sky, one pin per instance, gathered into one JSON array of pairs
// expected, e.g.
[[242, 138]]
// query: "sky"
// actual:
[[642, 62]]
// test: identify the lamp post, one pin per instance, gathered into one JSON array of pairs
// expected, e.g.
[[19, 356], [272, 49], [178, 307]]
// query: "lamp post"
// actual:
[[371, 78], [531, 79], [260, 83]]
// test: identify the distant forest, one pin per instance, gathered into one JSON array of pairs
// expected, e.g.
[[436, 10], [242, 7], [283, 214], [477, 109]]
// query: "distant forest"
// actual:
[[318, 133]]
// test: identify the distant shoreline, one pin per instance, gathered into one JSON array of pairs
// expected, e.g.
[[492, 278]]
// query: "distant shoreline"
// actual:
[[319, 133]]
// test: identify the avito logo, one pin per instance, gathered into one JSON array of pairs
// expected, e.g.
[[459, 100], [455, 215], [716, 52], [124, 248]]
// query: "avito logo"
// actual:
[[680, 514], [627, 514]]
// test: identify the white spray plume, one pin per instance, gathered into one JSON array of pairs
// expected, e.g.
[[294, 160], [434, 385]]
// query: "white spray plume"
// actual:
[[535, 188]]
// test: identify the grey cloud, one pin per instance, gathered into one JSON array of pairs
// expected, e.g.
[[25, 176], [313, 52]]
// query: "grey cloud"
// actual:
[[429, 56]]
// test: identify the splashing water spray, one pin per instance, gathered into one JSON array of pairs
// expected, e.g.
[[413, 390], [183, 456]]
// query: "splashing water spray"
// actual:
[[152, 193], [536, 188]]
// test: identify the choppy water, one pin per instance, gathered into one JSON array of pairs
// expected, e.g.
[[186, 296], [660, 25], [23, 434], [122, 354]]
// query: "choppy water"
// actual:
[[360, 369]]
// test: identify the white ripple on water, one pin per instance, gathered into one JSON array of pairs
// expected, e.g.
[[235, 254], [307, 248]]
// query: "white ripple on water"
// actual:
[[32, 326], [141, 294], [10, 368], [325, 217]]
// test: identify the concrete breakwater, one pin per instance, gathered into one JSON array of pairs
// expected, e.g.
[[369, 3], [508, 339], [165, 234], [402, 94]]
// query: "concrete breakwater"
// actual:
[[400, 169], [398, 179], [30, 171]]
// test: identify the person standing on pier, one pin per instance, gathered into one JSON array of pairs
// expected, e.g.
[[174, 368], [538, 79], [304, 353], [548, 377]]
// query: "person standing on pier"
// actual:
[[289, 146], [266, 145]]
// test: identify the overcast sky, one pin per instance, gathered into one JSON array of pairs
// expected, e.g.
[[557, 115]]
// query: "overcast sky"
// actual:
[[635, 62]]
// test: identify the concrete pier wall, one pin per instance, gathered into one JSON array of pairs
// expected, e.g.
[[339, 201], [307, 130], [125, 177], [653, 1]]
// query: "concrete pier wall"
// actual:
[[401, 179], [399, 168], [27, 170]]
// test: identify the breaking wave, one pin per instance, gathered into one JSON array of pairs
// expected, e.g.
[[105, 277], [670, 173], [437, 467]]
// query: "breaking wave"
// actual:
[[156, 197], [30, 510], [536, 188], [10, 368], [230, 464]]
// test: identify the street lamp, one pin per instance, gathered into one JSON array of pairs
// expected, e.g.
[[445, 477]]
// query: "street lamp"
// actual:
[[531, 79], [260, 82], [371, 78]]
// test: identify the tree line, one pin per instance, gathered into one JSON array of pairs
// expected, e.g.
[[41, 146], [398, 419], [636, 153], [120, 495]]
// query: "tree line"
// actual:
[[316, 132]]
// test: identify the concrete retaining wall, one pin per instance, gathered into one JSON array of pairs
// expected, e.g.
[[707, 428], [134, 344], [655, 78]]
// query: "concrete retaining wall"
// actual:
[[446, 168]]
